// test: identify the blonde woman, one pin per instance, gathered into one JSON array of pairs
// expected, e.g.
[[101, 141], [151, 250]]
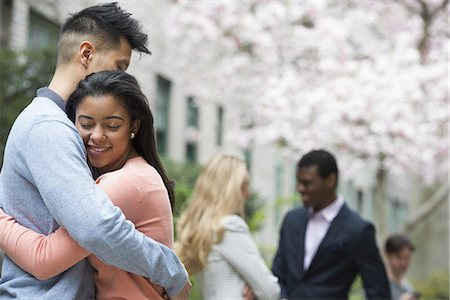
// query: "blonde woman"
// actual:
[[214, 242]]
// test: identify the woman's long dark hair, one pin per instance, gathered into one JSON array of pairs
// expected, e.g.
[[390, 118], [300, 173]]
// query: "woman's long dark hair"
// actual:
[[125, 88]]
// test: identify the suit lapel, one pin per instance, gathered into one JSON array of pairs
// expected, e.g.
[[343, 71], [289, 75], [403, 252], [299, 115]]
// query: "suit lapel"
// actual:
[[331, 236], [299, 241]]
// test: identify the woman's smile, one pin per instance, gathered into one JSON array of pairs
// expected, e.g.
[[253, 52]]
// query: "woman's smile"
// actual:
[[97, 149], [106, 128]]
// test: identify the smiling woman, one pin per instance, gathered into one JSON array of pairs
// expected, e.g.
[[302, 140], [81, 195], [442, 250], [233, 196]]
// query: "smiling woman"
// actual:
[[116, 125], [106, 129]]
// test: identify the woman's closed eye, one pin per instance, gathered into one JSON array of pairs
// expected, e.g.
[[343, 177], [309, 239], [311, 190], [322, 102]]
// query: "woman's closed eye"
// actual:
[[86, 125], [113, 127]]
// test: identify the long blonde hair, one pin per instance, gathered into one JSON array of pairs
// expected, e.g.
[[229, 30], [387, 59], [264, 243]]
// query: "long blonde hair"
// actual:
[[217, 193]]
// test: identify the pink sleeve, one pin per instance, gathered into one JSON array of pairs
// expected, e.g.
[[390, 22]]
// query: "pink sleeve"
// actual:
[[40, 255], [122, 191], [144, 200]]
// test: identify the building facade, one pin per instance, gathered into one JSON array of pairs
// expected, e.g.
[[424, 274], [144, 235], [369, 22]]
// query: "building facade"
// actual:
[[190, 130]]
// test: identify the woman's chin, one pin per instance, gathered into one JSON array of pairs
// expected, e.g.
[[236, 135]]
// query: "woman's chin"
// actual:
[[98, 166]]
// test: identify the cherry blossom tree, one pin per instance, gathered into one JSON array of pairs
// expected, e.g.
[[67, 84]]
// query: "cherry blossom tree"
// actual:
[[366, 79]]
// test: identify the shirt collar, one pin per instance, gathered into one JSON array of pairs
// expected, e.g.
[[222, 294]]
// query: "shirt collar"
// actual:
[[330, 212], [48, 93]]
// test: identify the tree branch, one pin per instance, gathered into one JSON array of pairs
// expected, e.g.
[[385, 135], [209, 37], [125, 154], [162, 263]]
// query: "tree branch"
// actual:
[[439, 8], [409, 7], [438, 197]]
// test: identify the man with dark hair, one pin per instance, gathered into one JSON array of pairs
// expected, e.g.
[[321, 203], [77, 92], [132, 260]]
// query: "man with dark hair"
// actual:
[[324, 245], [399, 249], [105, 25], [45, 181]]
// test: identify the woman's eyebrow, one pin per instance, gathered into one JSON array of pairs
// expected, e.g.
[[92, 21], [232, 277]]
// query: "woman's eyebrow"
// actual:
[[84, 116], [114, 117]]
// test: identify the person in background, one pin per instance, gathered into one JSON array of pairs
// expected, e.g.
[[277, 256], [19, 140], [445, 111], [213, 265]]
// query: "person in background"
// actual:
[[323, 245], [398, 250], [45, 181], [213, 240], [116, 124]]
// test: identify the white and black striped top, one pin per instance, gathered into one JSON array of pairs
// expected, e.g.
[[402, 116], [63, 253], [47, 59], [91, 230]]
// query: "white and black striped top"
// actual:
[[234, 262]]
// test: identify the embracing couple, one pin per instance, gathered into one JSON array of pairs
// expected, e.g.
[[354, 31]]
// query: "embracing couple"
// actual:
[[80, 163]]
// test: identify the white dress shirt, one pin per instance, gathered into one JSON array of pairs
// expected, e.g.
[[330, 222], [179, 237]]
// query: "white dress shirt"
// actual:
[[318, 225]]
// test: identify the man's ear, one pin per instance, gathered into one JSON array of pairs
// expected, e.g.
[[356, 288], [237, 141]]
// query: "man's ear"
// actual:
[[86, 53], [331, 181]]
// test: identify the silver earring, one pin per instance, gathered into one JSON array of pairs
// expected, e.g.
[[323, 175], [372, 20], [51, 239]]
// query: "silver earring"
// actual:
[[132, 135]]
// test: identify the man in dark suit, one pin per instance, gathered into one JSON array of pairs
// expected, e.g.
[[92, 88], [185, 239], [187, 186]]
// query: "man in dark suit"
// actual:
[[324, 245]]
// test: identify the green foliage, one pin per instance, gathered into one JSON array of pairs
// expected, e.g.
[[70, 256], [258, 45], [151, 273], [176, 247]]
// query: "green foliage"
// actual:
[[288, 201], [357, 291], [195, 291], [254, 212], [184, 174], [435, 287], [21, 74]]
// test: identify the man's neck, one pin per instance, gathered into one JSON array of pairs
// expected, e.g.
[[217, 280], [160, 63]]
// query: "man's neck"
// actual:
[[64, 82], [329, 200]]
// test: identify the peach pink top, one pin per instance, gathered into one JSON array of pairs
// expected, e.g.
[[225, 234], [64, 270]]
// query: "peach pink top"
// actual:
[[139, 191]]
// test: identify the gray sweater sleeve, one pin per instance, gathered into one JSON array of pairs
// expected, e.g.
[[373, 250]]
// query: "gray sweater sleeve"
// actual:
[[241, 252], [55, 156]]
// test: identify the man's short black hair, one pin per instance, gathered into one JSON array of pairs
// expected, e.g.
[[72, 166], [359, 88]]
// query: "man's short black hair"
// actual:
[[324, 160], [107, 23], [396, 243]]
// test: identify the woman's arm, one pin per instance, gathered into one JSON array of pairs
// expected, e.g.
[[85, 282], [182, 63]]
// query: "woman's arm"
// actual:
[[40, 255], [240, 251], [46, 256]]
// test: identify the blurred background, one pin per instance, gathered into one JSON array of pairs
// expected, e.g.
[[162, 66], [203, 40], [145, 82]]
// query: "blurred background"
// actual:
[[367, 80]]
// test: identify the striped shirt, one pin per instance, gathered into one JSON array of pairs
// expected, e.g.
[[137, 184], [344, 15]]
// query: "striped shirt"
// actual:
[[234, 262]]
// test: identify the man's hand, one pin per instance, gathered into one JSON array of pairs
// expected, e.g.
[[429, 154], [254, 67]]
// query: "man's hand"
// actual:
[[183, 294], [248, 293]]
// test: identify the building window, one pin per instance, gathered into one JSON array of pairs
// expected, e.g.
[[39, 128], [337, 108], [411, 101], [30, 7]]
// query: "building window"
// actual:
[[192, 113], [248, 159], [219, 128], [397, 214], [162, 114], [192, 129], [42, 33], [359, 200], [191, 152], [279, 171], [5, 20]]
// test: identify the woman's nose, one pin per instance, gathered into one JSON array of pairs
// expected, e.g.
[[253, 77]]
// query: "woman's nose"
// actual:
[[98, 134]]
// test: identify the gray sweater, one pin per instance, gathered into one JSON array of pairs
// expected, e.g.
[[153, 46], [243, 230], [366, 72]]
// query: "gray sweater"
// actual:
[[45, 182]]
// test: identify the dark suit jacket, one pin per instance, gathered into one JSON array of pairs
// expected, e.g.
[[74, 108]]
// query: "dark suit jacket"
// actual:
[[347, 249]]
